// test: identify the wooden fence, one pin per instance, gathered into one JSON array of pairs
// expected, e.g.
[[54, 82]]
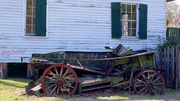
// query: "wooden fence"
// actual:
[[169, 59], [173, 33]]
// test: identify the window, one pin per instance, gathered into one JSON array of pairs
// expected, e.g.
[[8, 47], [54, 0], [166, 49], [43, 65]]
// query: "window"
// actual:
[[35, 18], [124, 20], [30, 18], [128, 19]]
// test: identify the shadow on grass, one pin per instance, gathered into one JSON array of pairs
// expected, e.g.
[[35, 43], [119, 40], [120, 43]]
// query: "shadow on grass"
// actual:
[[20, 80], [105, 95], [8, 82]]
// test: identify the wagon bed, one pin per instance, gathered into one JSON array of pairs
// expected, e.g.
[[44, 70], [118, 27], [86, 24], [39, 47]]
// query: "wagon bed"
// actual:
[[67, 71]]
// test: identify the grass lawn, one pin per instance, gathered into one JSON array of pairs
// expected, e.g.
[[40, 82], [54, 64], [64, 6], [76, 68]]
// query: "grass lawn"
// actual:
[[13, 89]]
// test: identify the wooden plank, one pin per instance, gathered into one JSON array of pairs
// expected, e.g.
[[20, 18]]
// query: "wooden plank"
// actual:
[[177, 68], [86, 69], [172, 66], [114, 58], [157, 59], [160, 58], [36, 88], [167, 66], [165, 58]]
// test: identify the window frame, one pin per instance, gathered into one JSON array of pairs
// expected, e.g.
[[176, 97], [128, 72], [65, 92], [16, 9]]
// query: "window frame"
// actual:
[[24, 35], [137, 22]]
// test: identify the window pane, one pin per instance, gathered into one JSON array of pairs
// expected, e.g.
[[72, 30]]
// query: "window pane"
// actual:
[[124, 24], [28, 29], [34, 20], [129, 32], [134, 8], [34, 11], [123, 8], [129, 24], [133, 24], [129, 16], [133, 32], [133, 16], [124, 27], [28, 20], [34, 29], [29, 11], [29, 3], [124, 16], [34, 3], [128, 8]]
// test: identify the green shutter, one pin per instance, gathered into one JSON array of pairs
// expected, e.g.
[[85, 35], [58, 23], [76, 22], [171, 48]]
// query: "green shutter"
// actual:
[[116, 19], [143, 21], [40, 17]]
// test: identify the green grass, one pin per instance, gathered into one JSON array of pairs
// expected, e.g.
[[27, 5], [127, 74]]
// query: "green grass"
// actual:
[[13, 89]]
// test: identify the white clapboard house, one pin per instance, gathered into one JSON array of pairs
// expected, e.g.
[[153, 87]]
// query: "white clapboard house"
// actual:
[[42, 26]]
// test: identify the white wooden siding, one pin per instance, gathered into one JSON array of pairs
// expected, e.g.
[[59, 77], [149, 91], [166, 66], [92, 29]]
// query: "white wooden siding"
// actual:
[[72, 25]]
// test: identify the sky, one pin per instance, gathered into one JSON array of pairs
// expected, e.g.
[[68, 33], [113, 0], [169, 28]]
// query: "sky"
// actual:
[[178, 1]]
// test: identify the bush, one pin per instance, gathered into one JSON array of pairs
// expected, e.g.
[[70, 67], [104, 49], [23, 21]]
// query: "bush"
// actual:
[[170, 42]]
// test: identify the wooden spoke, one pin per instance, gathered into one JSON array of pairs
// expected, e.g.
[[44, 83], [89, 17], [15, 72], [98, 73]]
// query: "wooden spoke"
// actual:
[[141, 90], [58, 91], [49, 78], [156, 79], [157, 84], [153, 76], [151, 86], [48, 82], [144, 77], [71, 81], [153, 91], [145, 91], [65, 73], [141, 81], [68, 77], [148, 77], [61, 89], [59, 78], [66, 90], [51, 86], [61, 72], [158, 88], [56, 72], [53, 90], [140, 85], [52, 73], [69, 86]]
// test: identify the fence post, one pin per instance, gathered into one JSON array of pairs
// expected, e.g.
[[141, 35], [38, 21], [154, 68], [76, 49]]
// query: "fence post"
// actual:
[[157, 58], [168, 66], [167, 33], [177, 67], [172, 66], [165, 64]]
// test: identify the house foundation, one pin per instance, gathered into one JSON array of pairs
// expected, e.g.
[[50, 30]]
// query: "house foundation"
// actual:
[[3, 70]]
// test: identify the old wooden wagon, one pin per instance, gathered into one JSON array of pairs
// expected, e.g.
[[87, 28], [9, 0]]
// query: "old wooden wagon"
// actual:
[[77, 72]]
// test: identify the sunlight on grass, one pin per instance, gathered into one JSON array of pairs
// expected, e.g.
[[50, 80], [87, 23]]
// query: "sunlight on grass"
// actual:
[[113, 98], [13, 89]]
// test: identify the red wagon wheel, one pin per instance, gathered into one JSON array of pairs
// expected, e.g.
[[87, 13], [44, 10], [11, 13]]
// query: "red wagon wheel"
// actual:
[[149, 82], [58, 79]]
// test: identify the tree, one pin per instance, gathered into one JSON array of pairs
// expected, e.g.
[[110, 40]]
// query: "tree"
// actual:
[[173, 15]]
